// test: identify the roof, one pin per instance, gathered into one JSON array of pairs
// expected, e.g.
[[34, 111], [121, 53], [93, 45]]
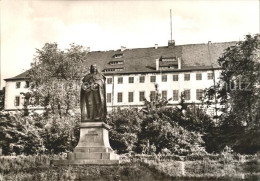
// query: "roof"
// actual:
[[141, 60], [21, 76], [195, 56]]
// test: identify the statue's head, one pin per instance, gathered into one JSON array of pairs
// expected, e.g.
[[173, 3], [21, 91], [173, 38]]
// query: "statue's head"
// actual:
[[93, 69]]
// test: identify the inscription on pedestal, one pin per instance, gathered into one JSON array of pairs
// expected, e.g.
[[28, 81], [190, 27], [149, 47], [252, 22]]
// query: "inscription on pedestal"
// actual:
[[91, 136]]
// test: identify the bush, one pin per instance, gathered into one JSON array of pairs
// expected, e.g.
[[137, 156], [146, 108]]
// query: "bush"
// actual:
[[37, 134], [162, 131], [152, 132], [125, 127]]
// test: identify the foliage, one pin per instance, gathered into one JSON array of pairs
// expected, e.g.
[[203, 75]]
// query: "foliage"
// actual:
[[35, 134], [61, 134], [162, 131], [238, 90], [242, 140], [157, 128], [238, 98], [2, 98], [55, 78], [192, 118], [21, 134], [155, 102], [125, 126]]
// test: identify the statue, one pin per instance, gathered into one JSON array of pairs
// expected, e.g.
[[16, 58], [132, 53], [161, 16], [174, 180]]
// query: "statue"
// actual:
[[93, 97], [93, 146]]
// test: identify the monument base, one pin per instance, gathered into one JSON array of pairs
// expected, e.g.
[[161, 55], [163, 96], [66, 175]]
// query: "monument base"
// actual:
[[93, 146]]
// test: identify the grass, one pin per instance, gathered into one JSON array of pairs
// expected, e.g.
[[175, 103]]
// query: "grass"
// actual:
[[25, 168]]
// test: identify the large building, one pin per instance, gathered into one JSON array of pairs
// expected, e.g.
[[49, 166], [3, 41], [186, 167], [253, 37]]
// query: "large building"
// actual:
[[131, 74]]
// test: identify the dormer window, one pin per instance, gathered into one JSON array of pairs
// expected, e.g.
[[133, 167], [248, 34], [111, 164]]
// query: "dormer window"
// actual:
[[168, 63], [119, 55], [113, 69], [171, 59], [116, 62]]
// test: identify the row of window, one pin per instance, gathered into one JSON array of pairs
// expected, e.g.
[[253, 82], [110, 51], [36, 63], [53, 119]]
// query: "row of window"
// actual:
[[175, 95], [164, 78], [18, 85], [141, 79]]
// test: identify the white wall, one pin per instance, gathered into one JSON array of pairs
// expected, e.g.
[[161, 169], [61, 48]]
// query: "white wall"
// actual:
[[148, 86], [136, 87], [11, 92]]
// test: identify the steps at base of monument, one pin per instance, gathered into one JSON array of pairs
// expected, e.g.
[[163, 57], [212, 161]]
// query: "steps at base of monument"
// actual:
[[84, 162], [93, 156], [93, 149]]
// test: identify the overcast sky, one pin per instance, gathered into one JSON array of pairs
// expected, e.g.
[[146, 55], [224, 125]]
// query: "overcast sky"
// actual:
[[106, 25]]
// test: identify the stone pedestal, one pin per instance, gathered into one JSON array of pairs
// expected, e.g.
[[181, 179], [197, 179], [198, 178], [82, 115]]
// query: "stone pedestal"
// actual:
[[93, 146]]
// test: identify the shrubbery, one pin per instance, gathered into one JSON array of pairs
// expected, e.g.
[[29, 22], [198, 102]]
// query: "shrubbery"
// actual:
[[125, 128], [153, 132], [37, 134]]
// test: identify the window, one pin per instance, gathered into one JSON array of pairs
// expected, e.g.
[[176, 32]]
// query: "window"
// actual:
[[210, 76], [119, 97], [187, 94], [152, 95], [109, 97], [18, 85], [141, 96], [120, 80], [27, 84], [175, 77], [116, 62], [186, 77], [130, 96], [199, 76], [109, 80], [130, 80], [17, 101], [113, 69], [141, 79], [153, 79], [164, 94], [164, 78], [199, 93], [175, 96], [118, 55]]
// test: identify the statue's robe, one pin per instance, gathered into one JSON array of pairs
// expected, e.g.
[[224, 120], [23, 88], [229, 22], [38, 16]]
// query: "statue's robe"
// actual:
[[93, 98]]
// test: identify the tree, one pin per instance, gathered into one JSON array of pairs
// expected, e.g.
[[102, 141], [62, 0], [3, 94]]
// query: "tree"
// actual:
[[155, 102], [238, 90], [2, 99], [55, 77], [238, 94]]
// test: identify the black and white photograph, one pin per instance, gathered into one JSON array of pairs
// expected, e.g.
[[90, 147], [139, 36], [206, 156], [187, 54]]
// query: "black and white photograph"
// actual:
[[129, 90]]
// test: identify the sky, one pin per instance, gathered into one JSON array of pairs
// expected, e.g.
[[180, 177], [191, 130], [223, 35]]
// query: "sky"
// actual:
[[108, 25]]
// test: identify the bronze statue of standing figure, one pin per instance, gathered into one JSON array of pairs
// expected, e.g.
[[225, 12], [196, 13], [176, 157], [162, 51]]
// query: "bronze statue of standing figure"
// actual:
[[93, 97]]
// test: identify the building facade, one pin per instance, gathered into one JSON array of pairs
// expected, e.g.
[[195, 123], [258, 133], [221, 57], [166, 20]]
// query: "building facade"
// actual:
[[131, 74]]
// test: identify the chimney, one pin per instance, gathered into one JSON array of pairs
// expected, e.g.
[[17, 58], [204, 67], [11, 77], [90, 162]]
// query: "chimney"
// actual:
[[157, 63], [171, 43], [156, 46], [179, 62], [209, 42], [123, 48]]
